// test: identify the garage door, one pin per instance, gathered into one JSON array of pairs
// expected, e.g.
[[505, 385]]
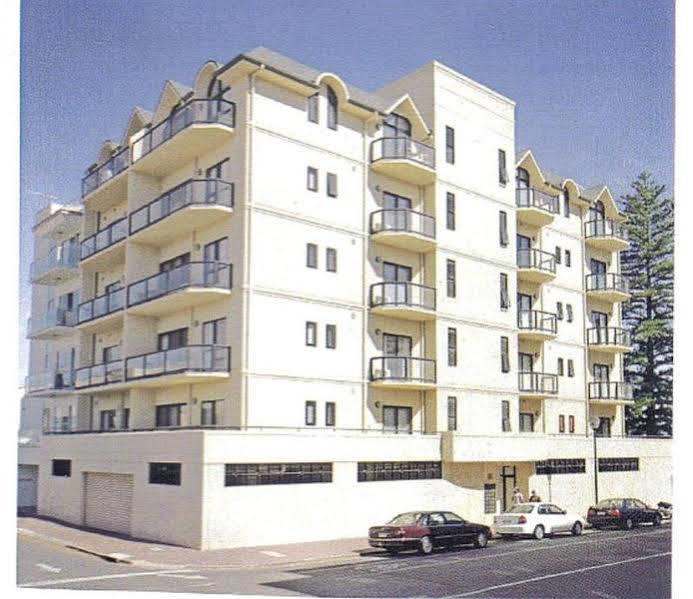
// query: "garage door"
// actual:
[[27, 485], [108, 500]]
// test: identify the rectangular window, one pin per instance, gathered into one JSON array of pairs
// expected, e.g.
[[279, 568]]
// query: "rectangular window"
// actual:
[[561, 423], [331, 336], [331, 260], [173, 339], [452, 346], [452, 413], [619, 464], [450, 212], [330, 413], [208, 413], [505, 418], [503, 226], [502, 168], [312, 179], [110, 353], [504, 296], [526, 422], [172, 263], [378, 471], [569, 312], [566, 204], [505, 354], [560, 367], [449, 145], [311, 413], [313, 115], [62, 468], [311, 255], [568, 260], [571, 424], [397, 420], [558, 254], [311, 334], [489, 498], [570, 466], [214, 332], [108, 420], [164, 473], [571, 368], [168, 415], [242, 475], [332, 185], [559, 310], [451, 278]]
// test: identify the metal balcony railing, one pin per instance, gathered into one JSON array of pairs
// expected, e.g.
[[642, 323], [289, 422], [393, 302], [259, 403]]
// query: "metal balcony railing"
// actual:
[[403, 221], [112, 234], [610, 390], [405, 369], [402, 294], [57, 257], [102, 305], [537, 320], [528, 197], [537, 382], [608, 281], [533, 258], [392, 148], [194, 274], [189, 358], [115, 165], [99, 374], [608, 336], [194, 192], [48, 381], [606, 228], [58, 317]]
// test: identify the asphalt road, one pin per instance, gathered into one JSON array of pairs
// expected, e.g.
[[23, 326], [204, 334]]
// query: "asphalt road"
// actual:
[[602, 565]]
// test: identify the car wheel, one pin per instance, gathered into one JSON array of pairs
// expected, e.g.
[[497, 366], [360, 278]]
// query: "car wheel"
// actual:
[[629, 524], [481, 540], [426, 545], [577, 529], [657, 520], [539, 532]]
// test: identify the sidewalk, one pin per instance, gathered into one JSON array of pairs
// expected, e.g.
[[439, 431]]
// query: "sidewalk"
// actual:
[[158, 555]]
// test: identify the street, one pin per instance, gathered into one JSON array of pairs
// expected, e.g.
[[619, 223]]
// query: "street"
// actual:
[[605, 564]]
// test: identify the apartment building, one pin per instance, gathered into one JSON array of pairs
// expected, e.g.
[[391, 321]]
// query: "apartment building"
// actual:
[[292, 297]]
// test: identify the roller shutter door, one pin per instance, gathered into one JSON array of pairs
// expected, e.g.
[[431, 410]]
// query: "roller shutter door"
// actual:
[[27, 485], [108, 500]]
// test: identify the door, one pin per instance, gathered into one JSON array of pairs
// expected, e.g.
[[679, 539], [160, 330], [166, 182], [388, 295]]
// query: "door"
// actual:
[[460, 531], [508, 483], [27, 487], [598, 269], [398, 350], [177, 273], [214, 333], [440, 533], [524, 251], [604, 428], [397, 419], [526, 422], [524, 310], [215, 256], [396, 217], [600, 374], [559, 520], [525, 364], [108, 501], [397, 132], [396, 290], [600, 321]]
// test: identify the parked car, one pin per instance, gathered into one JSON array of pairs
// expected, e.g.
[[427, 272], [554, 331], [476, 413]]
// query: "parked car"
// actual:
[[624, 512], [537, 520], [426, 530], [666, 509]]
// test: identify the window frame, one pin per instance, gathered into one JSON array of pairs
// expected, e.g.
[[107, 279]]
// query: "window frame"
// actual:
[[506, 421], [451, 278], [332, 108], [311, 412], [504, 237], [569, 312], [568, 258], [330, 414], [312, 179], [571, 423], [311, 333], [558, 254], [158, 474], [504, 292], [559, 367], [452, 346], [452, 413], [330, 260], [561, 423], [505, 354], [331, 185], [311, 252], [449, 144], [450, 211], [559, 310], [331, 336], [502, 168], [571, 368], [313, 108], [61, 467]]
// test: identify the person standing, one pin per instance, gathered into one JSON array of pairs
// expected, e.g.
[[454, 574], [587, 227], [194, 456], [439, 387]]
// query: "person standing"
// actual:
[[518, 497], [534, 498]]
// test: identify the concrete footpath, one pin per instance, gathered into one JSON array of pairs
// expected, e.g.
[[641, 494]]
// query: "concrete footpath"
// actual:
[[147, 554]]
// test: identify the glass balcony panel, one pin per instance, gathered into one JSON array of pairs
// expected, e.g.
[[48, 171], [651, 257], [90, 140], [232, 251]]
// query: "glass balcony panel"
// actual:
[[533, 198], [403, 368], [404, 220], [394, 148], [109, 169], [102, 305]]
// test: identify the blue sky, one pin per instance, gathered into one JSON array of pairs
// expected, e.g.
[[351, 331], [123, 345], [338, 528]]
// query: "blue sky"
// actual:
[[593, 81]]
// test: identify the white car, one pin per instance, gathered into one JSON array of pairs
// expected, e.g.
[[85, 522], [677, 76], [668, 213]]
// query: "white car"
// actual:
[[537, 520]]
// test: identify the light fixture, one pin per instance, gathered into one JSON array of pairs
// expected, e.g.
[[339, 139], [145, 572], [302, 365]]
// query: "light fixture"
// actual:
[[377, 404], [378, 259], [378, 331]]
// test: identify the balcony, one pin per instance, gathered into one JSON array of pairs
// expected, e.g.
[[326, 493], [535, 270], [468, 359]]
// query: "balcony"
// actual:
[[536, 325], [98, 375], [184, 365], [51, 382], [189, 285], [403, 300], [52, 325], [608, 392], [58, 223], [611, 340], [607, 287], [102, 312], [112, 187], [405, 159], [537, 384], [606, 235], [535, 266], [395, 372], [60, 265], [192, 205], [103, 249], [535, 208], [192, 130], [405, 229]]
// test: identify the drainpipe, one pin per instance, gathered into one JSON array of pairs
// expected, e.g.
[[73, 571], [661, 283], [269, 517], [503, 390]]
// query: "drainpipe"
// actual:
[[585, 349]]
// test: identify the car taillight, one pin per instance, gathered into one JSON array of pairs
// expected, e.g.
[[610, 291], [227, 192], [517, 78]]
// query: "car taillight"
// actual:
[[614, 513], [522, 520], [591, 512]]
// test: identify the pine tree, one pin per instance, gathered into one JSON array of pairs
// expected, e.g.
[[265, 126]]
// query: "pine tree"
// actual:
[[648, 265]]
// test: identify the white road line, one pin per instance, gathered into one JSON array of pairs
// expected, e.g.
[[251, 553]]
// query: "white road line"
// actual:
[[558, 574], [604, 595], [43, 583], [273, 553], [48, 568], [186, 576]]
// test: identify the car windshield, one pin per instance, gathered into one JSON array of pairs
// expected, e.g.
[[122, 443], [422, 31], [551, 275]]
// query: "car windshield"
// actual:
[[521, 509], [403, 519], [610, 503]]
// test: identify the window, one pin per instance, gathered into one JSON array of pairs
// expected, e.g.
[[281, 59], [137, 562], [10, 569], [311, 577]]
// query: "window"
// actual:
[[504, 297], [332, 106], [571, 424], [559, 310], [558, 254], [489, 498], [396, 125], [503, 226], [569, 466], [107, 420], [450, 218], [164, 473], [561, 423], [173, 339], [566, 203], [168, 415], [449, 145], [505, 354], [330, 413], [311, 255], [451, 278], [567, 258], [526, 422], [331, 260], [378, 471], [241, 475], [331, 336], [172, 263], [571, 368], [312, 179], [604, 428], [332, 185], [313, 103], [216, 170], [311, 413], [214, 332], [560, 367], [110, 353], [452, 346], [569, 312], [397, 420], [208, 413], [505, 418], [619, 464], [311, 334], [502, 169], [452, 413], [62, 468]]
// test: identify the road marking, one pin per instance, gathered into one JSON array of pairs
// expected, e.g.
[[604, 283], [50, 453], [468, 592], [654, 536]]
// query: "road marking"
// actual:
[[49, 568], [605, 595], [273, 553], [557, 575], [119, 556], [43, 583], [186, 576]]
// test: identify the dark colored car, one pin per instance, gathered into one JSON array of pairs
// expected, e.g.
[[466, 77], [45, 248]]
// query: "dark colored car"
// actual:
[[426, 530], [624, 512]]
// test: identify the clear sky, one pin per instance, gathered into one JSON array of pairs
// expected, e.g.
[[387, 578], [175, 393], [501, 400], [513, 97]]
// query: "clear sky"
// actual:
[[593, 80]]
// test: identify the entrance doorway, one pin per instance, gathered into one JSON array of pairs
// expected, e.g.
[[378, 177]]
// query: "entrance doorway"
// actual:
[[508, 483]]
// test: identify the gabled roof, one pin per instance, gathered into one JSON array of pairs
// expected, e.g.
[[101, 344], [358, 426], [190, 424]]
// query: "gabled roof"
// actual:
[[171, 94], [407, 107], [182, 90], [139, 118]]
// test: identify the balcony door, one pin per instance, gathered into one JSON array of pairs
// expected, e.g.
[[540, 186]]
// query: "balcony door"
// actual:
[[525, 362], [215, 256], [600, 375], [178, 274], [600, 320], [604, 428], [396, 217], [214, 333], [598, 269], [597, 216], [524, 255], [397, 133], [213, 174], [526, 422], [396, 347], [396, 277], [524, 310], [397, 419]]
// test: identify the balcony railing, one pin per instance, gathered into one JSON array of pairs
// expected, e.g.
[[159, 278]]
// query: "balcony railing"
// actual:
[[403, 221], [529, 197], [194, 192], [402, 294], [201, 111], [112, 234], [57, 257], [57, 317], [608, 336], [393, 148], [102, 305], [537, 320], [606, 228], [608, 281], [99, 374], [194, 274], [113, 166], [48, 381], [404, 369], [189, 358], [609, 390], [537, 382], [533, 258]]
